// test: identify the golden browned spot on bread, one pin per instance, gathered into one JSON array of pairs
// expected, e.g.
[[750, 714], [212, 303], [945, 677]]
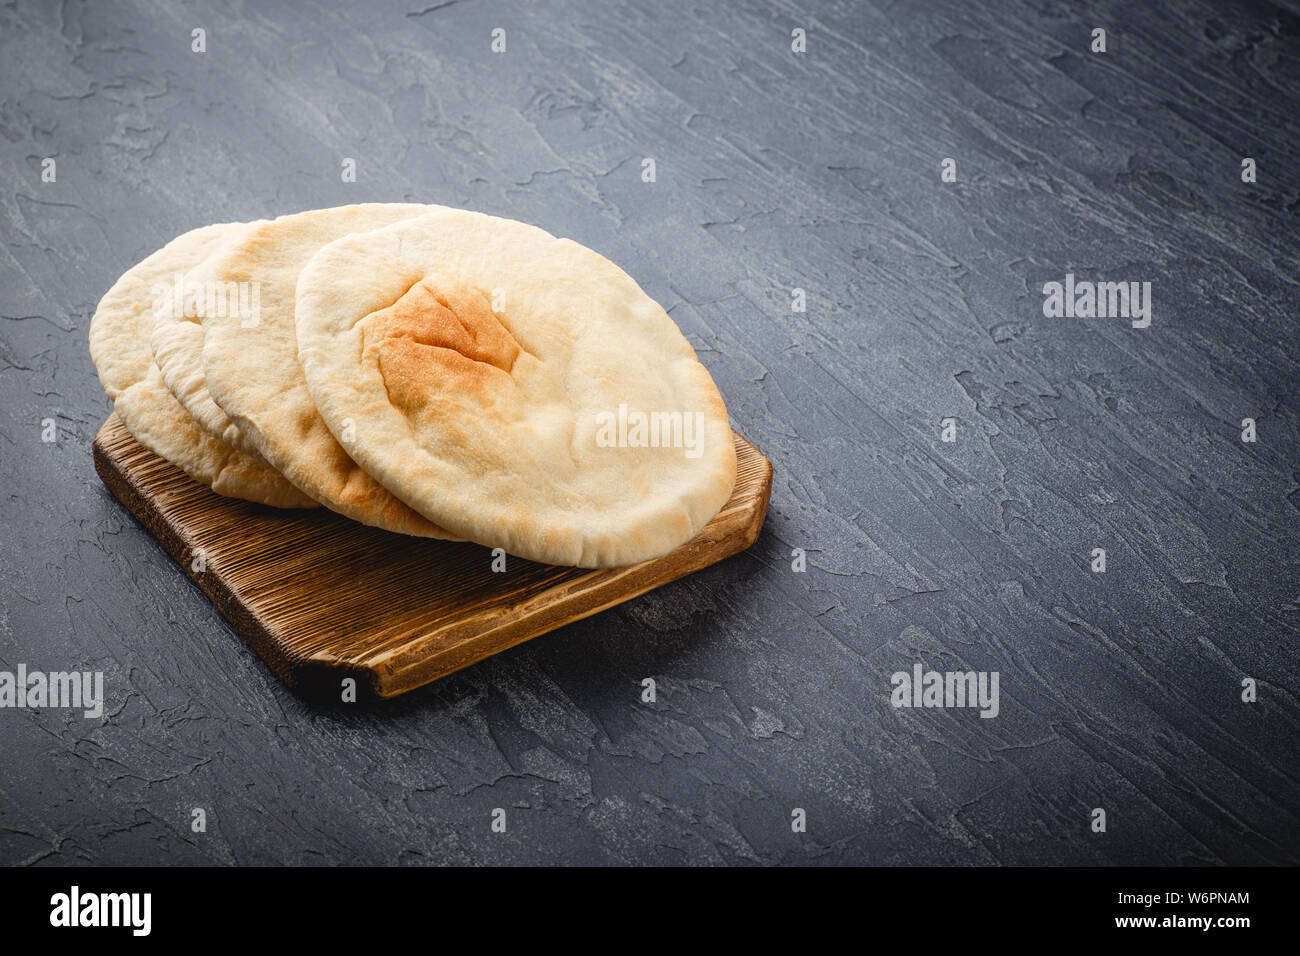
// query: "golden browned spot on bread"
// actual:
[[431, 339]]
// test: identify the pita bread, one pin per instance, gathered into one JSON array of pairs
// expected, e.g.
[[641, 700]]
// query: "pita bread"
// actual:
[[491, 376], [177, 345], [119, 346], [252, 370]]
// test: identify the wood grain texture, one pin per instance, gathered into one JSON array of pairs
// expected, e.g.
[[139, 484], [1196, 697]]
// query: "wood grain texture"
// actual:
[[322, 598]]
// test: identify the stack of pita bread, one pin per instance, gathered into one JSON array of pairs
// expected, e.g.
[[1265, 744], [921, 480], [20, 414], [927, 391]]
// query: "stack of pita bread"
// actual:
[[426, 370]]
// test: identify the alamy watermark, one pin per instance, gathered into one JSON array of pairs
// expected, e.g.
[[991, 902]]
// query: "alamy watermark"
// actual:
[[193, 299], [56, 689], [1098, 300], [923, 688], [74, 908], [630, 428]]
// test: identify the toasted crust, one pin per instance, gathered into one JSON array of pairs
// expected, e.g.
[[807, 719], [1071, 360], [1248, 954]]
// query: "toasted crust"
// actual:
[[469, 362], [252, 373]]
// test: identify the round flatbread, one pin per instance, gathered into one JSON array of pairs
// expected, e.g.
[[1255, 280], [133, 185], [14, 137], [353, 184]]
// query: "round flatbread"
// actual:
[[252, 371], [517, 389], [177, 345], [119, 346]]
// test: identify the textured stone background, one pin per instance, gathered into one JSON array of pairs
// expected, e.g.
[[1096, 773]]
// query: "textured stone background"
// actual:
[[775, 170]]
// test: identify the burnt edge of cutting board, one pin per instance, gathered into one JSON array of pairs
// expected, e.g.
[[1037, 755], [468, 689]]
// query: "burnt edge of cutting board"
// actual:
[[321, 598]]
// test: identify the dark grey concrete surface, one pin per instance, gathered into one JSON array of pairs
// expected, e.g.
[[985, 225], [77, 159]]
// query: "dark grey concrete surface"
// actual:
[[775, 170]]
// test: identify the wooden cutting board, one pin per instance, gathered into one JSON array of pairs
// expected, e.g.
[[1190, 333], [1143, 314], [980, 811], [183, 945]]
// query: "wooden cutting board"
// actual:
[[322, 598]]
